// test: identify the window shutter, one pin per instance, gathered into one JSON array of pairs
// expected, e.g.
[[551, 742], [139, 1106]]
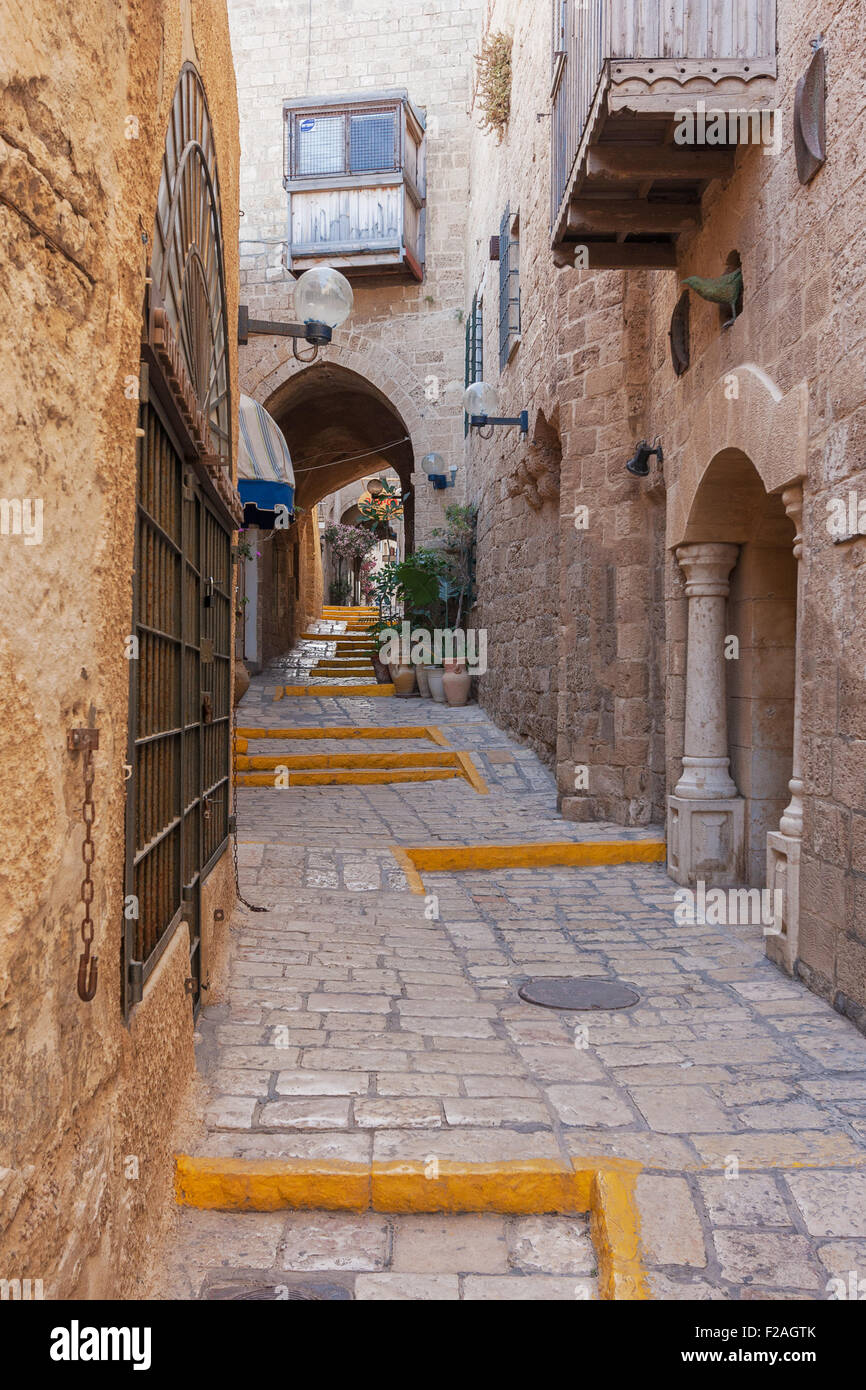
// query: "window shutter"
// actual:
[[504, 285]]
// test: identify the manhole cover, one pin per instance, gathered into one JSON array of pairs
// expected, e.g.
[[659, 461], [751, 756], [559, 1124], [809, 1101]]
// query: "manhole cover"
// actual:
[[317, 1293], [588, 993]]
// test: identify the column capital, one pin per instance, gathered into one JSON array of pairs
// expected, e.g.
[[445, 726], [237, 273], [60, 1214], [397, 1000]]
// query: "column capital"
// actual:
[[707, 566]]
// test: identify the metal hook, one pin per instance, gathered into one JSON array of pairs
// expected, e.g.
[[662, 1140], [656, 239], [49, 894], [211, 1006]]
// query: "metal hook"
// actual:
[[313, 355], [88, 970]]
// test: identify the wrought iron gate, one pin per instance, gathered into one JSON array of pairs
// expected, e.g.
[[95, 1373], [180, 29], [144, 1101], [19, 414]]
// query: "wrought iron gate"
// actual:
[[178, 796]]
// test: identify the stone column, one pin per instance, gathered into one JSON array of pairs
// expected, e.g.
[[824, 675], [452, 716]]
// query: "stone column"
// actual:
[[706, 820], [784, 844]]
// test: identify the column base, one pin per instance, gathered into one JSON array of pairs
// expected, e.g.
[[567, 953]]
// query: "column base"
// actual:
[[707, 840], [783, 877]]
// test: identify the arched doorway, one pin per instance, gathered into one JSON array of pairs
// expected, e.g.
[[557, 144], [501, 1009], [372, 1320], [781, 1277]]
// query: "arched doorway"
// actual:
[[740, 568]]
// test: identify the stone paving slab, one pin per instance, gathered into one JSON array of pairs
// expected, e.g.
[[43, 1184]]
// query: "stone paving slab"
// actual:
[[371, 1257], [364, 1022]]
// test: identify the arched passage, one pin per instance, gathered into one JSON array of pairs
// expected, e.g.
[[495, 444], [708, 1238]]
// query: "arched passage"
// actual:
[[731, 507], [340, 427]]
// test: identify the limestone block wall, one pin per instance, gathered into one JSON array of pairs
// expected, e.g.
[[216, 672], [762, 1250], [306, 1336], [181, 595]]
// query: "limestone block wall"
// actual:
[[568, 546], [406, 338], [804, 326], [86, 1103]]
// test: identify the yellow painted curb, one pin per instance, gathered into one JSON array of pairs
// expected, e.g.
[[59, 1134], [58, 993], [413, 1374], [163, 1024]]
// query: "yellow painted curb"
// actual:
[[615, 1230], [513, 1187], [413, 878], [472, 775], [238, 1184], [269, 762], [546, 854], [604, 1187], [330, 691], [341, 731], [354, 777]]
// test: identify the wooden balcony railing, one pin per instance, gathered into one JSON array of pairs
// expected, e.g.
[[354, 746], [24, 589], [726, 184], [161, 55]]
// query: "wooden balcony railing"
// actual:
[[622, 71], [355, 176]]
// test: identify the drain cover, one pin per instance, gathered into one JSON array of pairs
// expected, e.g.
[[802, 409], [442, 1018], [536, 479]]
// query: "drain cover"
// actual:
[[588, 993]]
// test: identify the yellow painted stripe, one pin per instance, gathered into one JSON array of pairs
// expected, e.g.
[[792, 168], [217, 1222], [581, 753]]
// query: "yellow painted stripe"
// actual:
[[413, 878], [604, 1187], [341, 731], [550, 854], [615, 1230], [333, 691], [267, 763], [345, 668], [444, 858], [472, 775], [357, 777]]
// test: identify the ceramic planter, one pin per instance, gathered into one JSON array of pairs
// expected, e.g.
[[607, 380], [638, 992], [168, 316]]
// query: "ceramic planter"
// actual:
[[456, 683], [435, 676], [403, 678], [422, 676]]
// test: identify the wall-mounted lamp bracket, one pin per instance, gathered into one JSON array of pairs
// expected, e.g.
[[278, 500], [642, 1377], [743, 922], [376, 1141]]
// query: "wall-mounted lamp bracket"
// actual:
[[478, 422], [318, 334]]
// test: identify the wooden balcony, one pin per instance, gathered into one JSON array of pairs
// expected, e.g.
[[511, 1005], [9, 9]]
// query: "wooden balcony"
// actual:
[[625, 182], [355, 178]]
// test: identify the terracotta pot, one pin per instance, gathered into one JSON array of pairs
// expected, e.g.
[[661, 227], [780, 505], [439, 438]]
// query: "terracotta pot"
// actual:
[[422, 676], [403, 678], [435, 675], [456, 683]]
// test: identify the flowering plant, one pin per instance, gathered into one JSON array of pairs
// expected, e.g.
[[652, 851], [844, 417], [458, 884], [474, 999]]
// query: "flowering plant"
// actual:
[[349, 542], [368, 590]]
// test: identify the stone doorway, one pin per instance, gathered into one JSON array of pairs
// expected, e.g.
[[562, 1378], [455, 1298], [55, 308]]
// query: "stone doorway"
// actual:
[[739, 558]]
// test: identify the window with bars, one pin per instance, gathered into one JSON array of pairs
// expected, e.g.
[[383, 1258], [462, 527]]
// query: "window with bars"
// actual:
[[509, 285], [359, 140], [474, 367]]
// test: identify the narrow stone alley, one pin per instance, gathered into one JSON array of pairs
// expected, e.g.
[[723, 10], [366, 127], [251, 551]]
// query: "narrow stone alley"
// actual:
[[372, 1019]]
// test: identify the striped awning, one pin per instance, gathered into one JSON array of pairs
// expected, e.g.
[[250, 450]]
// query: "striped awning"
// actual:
[[266, 478]]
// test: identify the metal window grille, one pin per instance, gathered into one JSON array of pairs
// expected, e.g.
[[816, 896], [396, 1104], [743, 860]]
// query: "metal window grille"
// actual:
[[352, 140], [509, 286], [474, 364], [178, 797]]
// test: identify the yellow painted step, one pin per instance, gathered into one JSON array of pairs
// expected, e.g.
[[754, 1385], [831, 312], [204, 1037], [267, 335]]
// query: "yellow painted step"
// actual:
[[256, 770], [605, 1187], [545, 854], [353, 777], [348, 731], [267, 762], [344, 668], [333, 691]]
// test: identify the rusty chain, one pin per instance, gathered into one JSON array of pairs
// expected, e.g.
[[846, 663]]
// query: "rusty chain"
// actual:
[[88, 968]]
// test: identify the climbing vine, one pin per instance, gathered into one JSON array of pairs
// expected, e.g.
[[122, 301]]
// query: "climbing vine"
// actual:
[[493, 73]]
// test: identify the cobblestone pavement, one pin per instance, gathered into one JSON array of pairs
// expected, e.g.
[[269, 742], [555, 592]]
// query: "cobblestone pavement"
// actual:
[[365, 1021]]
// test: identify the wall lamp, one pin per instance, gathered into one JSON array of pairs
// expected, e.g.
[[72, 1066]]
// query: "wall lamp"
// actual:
[[434, 466], [323, 300], [638, 464], [481, 403]]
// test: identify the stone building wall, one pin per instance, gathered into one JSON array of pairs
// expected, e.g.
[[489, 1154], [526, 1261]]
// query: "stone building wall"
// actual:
[[779, 396], [86, 1102], [804, 326], [570, 598], [403, 337]]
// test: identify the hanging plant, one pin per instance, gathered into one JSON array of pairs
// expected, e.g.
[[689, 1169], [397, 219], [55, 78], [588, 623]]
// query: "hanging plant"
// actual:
[[493, 89]]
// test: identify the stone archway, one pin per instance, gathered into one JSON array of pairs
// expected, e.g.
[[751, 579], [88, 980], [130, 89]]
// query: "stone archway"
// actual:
[[735, 813]]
